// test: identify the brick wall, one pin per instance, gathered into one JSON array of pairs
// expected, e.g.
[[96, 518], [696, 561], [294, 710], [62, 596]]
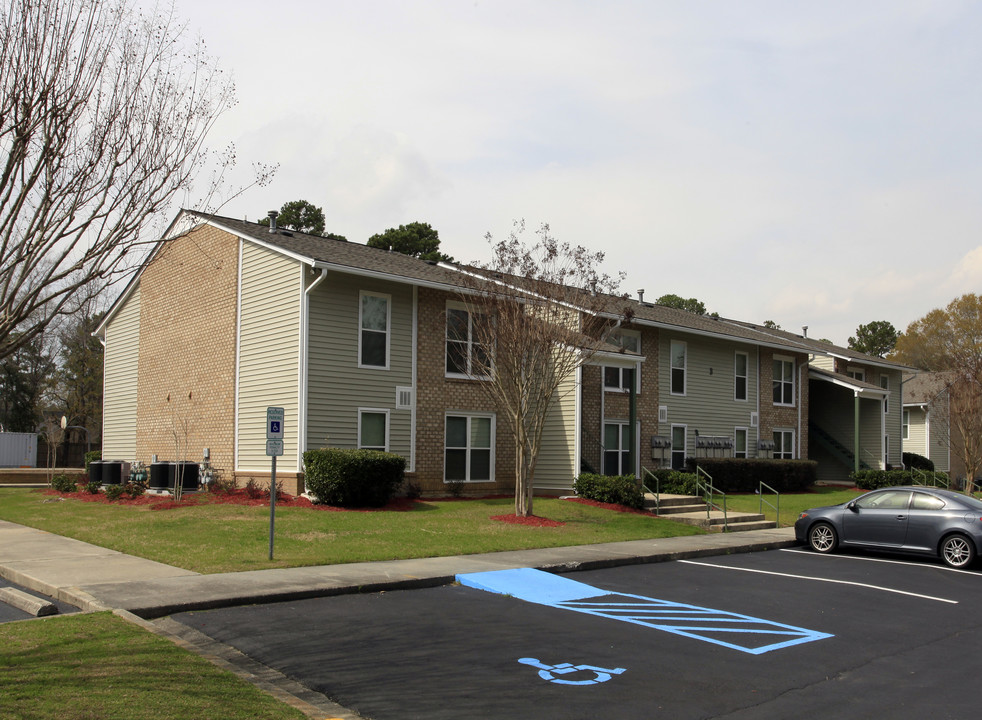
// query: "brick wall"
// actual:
[[187, 349], [779, 416], [436, 394]]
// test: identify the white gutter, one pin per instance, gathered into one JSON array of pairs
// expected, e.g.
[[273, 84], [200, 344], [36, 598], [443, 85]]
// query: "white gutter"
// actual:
[[304, 365]]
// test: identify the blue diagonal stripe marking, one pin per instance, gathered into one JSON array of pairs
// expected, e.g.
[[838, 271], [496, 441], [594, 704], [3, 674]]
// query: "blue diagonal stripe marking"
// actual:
[[679, 618]]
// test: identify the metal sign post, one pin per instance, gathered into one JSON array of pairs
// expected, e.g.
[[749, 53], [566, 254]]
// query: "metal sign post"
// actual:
[[274, 448]]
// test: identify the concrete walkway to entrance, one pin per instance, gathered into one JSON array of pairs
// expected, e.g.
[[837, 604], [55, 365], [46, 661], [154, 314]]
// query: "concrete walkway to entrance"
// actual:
[[94, 578]]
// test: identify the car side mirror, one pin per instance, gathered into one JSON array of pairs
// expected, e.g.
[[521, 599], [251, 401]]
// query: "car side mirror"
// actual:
[[852, 506]]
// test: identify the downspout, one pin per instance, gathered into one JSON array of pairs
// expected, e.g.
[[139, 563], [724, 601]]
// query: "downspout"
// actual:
[[855, 424], [632, 420], [304, 367]]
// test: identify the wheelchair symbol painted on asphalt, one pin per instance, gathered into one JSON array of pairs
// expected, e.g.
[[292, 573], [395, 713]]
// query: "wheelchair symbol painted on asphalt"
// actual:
[[549, 672]]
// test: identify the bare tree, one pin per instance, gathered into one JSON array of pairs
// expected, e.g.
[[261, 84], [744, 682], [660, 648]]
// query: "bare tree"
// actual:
[[104, 110], [535, 313]]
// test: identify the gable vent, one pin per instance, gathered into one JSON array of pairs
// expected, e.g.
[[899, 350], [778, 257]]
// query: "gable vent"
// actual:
[[754, 419], [404, 398], [663, 413]]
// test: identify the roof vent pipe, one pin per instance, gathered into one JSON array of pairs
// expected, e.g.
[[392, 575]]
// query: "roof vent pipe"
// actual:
[[641, 295], [804, 330], [272, 220]]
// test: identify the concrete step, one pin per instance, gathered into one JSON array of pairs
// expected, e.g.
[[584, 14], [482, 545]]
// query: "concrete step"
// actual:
[[735, 521]]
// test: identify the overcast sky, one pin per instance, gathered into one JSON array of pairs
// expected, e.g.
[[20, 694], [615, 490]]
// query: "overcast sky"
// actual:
[[810, 163]]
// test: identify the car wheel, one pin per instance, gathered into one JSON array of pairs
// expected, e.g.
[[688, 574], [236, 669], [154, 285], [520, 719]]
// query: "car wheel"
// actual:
[[822, 538], [957, 551]]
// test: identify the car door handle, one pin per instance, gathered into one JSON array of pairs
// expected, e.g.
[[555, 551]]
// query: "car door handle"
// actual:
[[901, 517]]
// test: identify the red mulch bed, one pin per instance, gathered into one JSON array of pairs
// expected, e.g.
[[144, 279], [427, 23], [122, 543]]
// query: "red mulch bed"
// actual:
[[530, 521], [235, 497], [608, 506]]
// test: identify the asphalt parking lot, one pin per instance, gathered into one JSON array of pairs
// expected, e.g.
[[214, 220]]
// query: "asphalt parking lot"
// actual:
[[778, 634], [9, 612]]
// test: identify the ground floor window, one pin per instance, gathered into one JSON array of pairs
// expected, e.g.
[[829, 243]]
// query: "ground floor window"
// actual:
[[373, 430], [469, 448], [784, 444], [740, 442], [678, 447], [616, 449]]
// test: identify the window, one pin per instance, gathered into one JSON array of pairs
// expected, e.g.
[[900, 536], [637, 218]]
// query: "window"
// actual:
[[885, 384], [469, 448], [783, 381], [887, 500], [466, 356], [740, 442], [906, 425], [678, 447], [619, 378], [373, 430], [740, 364], [926, 502], [617, 449], [678, 351], [373, 342], [783, 445], [856, 374]]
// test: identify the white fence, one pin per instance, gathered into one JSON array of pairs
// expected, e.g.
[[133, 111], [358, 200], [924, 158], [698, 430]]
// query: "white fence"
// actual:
[[18, 449]]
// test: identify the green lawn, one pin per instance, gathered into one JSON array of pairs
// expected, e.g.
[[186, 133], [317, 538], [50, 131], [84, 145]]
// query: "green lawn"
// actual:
[[791, 504], [82, 667], [210, 538]]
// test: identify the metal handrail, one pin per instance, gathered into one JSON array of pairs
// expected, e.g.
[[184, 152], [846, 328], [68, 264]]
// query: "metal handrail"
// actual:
[[777, 500], [647, 490], [708, 493], [932, 481]]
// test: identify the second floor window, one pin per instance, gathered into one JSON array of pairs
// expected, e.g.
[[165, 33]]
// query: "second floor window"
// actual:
[[466, 355], [678, 351], [783, 381], [373, 342], [740, 364]]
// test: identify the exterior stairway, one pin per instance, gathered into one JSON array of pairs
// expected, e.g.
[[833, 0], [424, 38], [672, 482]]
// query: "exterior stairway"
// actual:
[[691, 510]]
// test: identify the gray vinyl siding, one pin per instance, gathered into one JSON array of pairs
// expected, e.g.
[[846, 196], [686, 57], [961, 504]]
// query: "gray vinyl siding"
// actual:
[[894, 415], [270, 300], [916, 441], [556, 467], [120, 381], [336, 386], [708, 404]]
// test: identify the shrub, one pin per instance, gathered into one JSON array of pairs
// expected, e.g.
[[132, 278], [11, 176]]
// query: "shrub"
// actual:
[[135, 489], [221, 484], [676, 482], [92, 486], [918, 462], [413, 490], [614, 489], [873, 479], [115, 492], [63, 483], [90, 456], [738, 475], [255, 491], [353, 478]]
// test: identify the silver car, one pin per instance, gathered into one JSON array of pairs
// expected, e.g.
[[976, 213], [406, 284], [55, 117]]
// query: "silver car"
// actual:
[[920, 520]]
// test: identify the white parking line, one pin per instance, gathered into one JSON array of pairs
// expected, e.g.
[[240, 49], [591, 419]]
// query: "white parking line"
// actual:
[[818, 579], [879, 560]]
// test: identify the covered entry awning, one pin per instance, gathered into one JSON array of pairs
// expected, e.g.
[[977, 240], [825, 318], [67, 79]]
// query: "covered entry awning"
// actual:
[[861, 391]]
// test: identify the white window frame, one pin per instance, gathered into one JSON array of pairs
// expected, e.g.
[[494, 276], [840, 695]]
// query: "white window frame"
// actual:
[[362, 330], [623, 385], [745, 376], [790, 360], [671, 367], [362, 411], [778, 446], [905, 425], [746, 442], [856, 373], [623, 454], [493, 441], [885, 384], [470, 342]]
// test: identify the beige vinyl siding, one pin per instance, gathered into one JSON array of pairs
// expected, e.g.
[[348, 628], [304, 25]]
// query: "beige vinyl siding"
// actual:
[[870, 433], [336, 386], [916, 441], [556, 466], [823, 362], [121, 373], [708, 404], [270, 299]]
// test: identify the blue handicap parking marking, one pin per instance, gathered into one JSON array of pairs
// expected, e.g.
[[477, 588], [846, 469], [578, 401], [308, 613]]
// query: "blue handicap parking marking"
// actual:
[[554, 673], [733, 630]]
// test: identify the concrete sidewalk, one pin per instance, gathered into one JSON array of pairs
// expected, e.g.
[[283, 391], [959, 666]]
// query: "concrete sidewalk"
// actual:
[[94, 578]]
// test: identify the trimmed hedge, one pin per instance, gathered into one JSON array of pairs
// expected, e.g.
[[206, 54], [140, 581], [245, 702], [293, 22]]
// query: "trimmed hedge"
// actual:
[[353, 478], [91, 456], [918, 462], [744, 475], [673, 482], [873, 479], [614, 489]]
